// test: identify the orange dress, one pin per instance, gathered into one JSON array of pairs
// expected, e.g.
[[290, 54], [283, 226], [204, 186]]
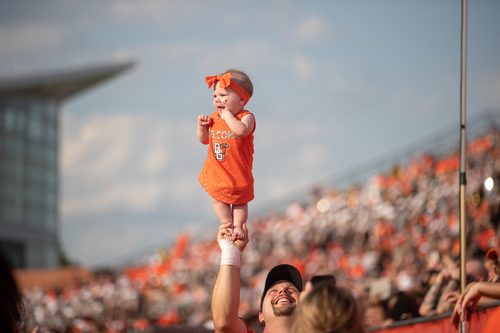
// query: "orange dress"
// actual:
[[227, 172]]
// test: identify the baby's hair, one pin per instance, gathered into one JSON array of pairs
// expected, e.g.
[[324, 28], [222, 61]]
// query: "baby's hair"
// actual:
[[242, 79]]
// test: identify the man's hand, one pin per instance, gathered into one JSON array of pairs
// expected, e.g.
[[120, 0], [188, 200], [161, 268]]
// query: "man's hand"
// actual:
[[226, 232]]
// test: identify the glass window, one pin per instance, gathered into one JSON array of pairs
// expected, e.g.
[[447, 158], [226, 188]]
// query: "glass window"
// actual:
[[17, 212], [4, 189], [3, 209], [47, 200], [51, 256], [9, 213], [18, 148], [31, 216], [35, 128], [51, 109], [35, 195], [15, 251], [35, 255], [31, 150], [9, 190], [50, 155], [9, 118], [18, 170], [8, 144], [19, 121], [28, 172]]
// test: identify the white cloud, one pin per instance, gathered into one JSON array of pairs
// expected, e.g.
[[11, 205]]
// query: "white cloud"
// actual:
[[123, 55], [311, 28], [124, 242], [180, 51], [156, 10], [313, 157], [124, 161], [102, 144], [249, 54], [274, 189], [156, 158], [303, 68], [138, 196], [28, 38], [488, 87], [286, 164], [245, 54]]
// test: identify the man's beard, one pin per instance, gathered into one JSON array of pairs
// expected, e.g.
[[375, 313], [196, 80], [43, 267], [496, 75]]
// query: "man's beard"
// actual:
[[283, 311]]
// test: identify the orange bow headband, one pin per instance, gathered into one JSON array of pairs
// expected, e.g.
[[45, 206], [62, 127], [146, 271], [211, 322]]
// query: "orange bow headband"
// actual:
[[224, 82]]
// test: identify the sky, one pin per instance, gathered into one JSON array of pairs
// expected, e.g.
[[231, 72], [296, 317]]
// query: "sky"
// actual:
[[337, 84]]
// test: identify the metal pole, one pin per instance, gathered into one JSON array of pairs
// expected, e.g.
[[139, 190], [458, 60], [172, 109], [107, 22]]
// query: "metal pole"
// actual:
[[463, 179]]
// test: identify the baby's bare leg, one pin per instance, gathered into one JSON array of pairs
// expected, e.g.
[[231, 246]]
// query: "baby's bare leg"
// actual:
[[223, 212], [240, 215]]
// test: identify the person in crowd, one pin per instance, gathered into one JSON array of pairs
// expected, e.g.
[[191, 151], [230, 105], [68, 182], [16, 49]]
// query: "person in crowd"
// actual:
[[278, 301], [227, 173], [375, 315], [492, 265], [402, 306], [316, 280], [443, 293], [469, 299], [11, 306], [327, 308]]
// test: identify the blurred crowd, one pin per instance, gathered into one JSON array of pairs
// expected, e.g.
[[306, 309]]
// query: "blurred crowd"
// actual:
[[393, 241]]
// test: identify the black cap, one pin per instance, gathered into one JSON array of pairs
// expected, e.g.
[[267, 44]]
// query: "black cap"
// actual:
[[282, 272]]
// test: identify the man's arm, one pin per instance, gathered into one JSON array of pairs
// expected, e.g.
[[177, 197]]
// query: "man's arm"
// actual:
[[226, 293], [429, 303]]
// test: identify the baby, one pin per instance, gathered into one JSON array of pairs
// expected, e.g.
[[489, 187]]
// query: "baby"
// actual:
[[228, 131]]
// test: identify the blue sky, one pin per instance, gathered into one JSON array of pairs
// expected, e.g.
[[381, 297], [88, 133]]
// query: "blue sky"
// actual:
[[337, 84]]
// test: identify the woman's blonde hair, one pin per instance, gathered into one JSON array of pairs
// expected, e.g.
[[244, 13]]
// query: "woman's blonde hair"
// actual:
[[328, 309]]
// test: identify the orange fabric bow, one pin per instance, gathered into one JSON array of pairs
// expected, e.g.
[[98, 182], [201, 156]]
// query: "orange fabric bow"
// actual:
[[224, 79], [224, 82]]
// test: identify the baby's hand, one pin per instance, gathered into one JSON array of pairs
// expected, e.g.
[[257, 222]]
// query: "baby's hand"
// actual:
[[238, 233], [224, 113], [203, 120]]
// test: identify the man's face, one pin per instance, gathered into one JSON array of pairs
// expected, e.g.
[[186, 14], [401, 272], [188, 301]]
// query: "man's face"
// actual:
[[280, 300]]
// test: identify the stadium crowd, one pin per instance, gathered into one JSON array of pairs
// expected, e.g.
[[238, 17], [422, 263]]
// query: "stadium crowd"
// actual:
[[393, 241]]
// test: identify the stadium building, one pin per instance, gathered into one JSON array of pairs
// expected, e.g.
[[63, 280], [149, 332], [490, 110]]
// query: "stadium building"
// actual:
[[29, 144]]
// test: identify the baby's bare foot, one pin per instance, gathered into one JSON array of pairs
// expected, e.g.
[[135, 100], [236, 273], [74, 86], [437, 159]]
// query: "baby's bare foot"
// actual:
[[238, 233]]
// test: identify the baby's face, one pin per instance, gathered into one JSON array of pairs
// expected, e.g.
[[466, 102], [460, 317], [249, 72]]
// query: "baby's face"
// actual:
[[226, 98]]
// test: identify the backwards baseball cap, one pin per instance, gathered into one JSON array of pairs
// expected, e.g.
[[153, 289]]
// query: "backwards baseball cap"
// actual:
[[279, 273]]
